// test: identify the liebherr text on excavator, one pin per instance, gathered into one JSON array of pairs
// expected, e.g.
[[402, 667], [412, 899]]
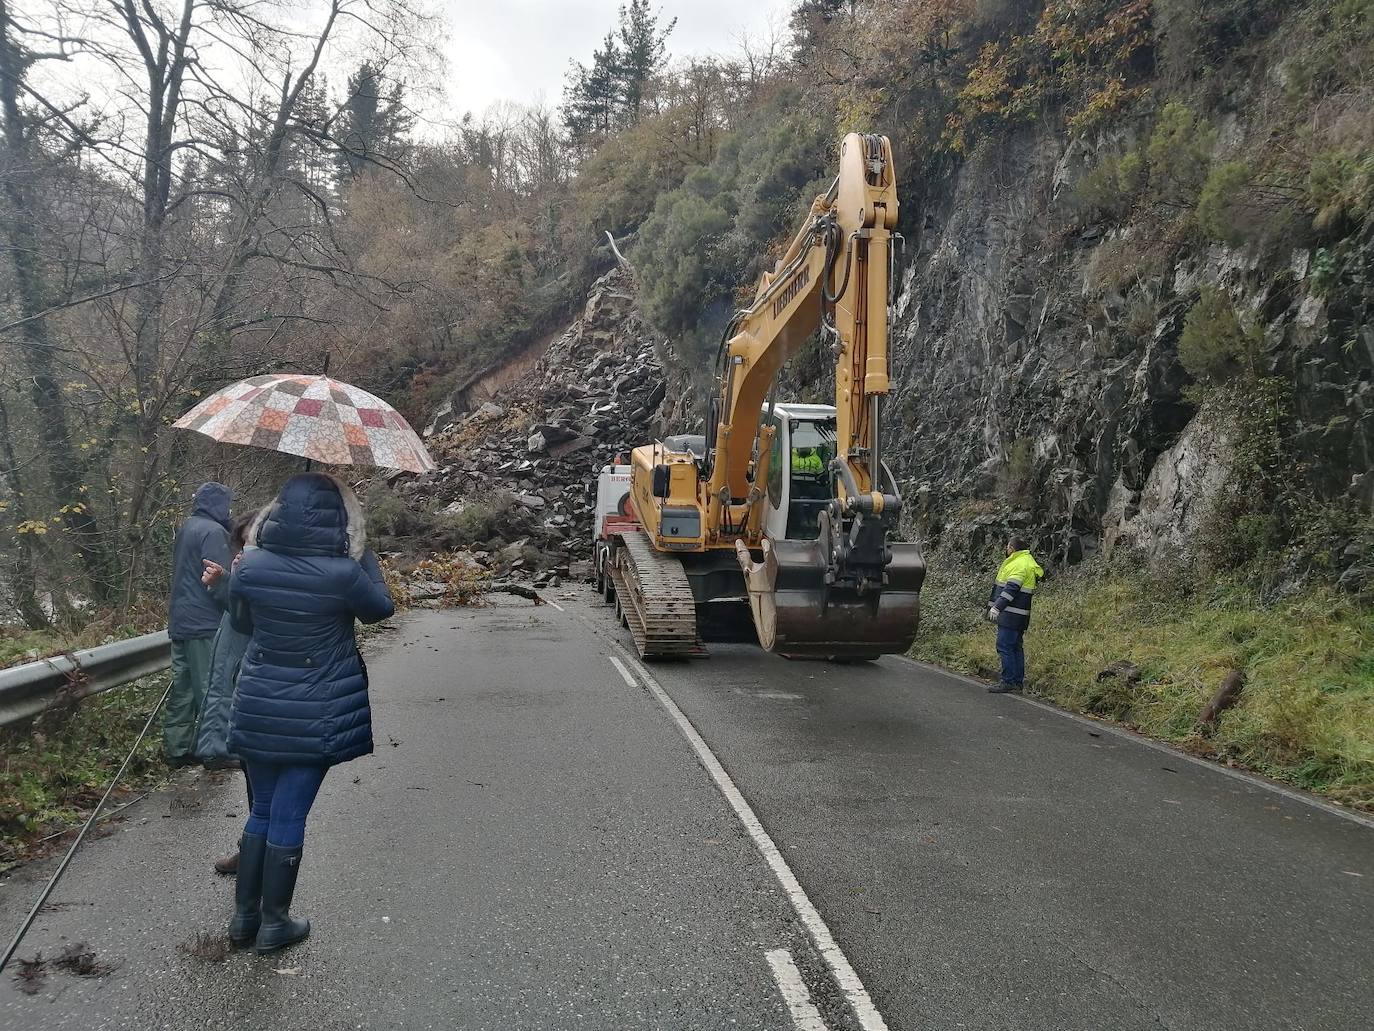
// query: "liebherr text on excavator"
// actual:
[[789, 506]]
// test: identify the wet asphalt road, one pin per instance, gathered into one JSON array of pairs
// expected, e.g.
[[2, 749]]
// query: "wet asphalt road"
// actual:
[[534, 845]]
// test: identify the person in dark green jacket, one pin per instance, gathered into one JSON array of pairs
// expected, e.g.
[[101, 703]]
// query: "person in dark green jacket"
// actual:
[[1009, 606], [193, 617]]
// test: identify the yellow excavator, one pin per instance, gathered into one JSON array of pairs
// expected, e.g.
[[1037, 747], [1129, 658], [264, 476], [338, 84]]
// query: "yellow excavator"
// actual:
[[789, 506]]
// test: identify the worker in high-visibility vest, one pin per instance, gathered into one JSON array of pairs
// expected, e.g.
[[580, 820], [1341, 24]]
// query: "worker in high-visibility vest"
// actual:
[[805, 460], [1009, 606]]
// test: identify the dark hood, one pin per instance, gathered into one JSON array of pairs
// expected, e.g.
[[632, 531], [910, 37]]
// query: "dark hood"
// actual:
[[212, 501], [309, 517]]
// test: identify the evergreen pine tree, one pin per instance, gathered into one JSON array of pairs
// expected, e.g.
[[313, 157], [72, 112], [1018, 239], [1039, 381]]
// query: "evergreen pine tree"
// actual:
[[375, 124], [642, 52], [808, 21], [592, 97]]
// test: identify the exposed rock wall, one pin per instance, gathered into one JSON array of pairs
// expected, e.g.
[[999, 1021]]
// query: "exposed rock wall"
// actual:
[[1026, 391]]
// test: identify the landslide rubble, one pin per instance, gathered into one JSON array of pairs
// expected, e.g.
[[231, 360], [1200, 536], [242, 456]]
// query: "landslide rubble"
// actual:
[[516, 484]]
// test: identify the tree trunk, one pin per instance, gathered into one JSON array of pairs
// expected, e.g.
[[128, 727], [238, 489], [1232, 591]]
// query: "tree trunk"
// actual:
[[64, 470], [25, 569]]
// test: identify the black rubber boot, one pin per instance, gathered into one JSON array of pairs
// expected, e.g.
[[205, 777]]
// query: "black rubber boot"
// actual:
[[243, 928], [1004, 688], [279, 929]]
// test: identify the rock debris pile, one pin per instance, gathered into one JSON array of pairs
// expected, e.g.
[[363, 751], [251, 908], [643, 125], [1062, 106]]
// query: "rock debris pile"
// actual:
[[517, 474]]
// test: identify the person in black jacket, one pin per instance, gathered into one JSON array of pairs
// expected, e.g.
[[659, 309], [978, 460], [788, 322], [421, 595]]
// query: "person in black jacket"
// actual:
[[193, 617], [301, 703], [212, 728]]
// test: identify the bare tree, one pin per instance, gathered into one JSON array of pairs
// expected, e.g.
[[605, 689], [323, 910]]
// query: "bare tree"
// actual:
[[761, 56], [216, 256]]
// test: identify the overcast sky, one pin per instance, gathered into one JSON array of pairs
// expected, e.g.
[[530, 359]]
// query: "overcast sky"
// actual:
[[519, 49]]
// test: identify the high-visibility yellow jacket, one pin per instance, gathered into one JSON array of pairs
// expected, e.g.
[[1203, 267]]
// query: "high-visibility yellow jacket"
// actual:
[[808, 463], [1011, 595]]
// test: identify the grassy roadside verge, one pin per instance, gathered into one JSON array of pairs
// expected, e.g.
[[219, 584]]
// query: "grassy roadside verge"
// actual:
[[18, 645], [1306, 715], [54, 768]]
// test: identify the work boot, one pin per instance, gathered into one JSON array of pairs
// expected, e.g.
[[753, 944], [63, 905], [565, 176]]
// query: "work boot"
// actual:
[[243, 928], [279, 929], [1004, 688], [227, 865]]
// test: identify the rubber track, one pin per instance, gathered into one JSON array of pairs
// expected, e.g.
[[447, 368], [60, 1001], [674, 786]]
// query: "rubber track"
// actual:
[[656, 599]]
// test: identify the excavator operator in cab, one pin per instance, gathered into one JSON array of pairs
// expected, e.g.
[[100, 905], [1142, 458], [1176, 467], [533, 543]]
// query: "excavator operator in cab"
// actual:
[[805, 460]]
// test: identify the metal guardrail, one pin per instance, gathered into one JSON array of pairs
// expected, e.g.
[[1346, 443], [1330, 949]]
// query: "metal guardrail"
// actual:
[[29, 689]]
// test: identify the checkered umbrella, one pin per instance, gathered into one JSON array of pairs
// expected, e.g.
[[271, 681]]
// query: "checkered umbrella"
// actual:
[[312, 416]]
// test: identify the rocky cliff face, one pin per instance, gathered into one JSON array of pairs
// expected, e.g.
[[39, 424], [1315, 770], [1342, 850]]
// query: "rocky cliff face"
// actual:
[[1028, 394]]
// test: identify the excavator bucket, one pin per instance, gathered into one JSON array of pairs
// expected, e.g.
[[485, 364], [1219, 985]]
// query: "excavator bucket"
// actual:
[[800, 616]]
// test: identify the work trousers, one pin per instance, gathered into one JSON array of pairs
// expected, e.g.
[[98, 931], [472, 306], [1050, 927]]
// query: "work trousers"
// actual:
[[1013, 655], [190, 678], [282, 797]]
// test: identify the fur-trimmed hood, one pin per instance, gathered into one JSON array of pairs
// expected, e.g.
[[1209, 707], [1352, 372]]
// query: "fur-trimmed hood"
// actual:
[[250, 539], [357, 521], [314, 514]]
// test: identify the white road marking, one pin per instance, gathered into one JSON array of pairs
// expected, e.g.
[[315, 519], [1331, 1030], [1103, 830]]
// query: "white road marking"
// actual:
[[805, 1017], [869, 1017], [1254, 780], [623, 671], [555, 604]]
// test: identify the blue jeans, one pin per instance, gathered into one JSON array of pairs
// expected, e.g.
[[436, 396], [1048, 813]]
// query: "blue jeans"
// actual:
[[282, 797], [1013, 655]]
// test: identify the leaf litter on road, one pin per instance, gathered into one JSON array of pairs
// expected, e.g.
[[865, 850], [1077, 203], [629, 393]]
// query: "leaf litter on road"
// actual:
[[79, 958], [31, 974]]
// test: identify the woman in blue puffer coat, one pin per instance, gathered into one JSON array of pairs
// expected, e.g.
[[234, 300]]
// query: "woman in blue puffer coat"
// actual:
[[301, 703]]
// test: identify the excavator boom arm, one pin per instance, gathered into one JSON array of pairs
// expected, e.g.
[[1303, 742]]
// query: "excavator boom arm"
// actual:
[[835, 272]]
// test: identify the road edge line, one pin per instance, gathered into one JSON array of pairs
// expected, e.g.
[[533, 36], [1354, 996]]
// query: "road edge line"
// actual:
[[845, 976], [624, 673], [1163, 747], [805, 1016]]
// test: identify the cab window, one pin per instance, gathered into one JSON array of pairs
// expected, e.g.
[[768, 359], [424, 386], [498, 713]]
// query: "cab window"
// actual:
[[812, 450]]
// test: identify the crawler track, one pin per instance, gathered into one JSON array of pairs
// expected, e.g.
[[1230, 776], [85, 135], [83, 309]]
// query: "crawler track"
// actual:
[[655, 600]]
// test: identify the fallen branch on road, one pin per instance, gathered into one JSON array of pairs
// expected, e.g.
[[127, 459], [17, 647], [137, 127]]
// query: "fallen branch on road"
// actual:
[[519, 590]]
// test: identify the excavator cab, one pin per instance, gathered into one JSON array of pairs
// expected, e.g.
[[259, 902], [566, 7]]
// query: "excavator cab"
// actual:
[[801, 608], [800, 484]]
